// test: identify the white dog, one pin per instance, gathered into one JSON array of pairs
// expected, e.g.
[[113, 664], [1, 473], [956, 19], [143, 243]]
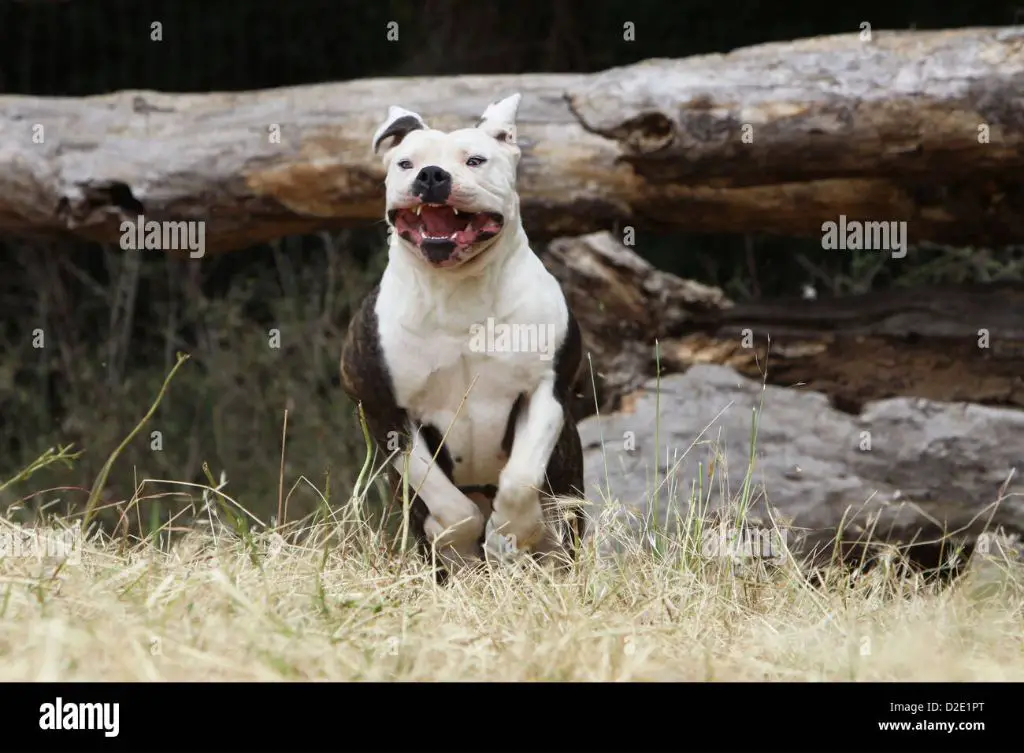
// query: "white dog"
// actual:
[[486, 432]]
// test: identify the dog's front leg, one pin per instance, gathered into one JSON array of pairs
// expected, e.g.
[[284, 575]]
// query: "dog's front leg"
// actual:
[[517, 522], [455, 523]]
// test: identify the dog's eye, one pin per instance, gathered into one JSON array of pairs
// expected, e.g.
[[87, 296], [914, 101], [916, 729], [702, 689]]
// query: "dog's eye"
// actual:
[[475, 161], [405, 164]]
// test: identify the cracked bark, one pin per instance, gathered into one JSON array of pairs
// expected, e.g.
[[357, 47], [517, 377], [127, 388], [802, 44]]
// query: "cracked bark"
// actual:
[[953, 343], [886, 129]]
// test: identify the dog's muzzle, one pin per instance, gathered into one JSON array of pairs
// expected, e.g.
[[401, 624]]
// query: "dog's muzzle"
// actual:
[[444, 234]]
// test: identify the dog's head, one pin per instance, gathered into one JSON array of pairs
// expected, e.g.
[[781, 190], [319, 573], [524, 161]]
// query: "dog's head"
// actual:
[[450, 195]]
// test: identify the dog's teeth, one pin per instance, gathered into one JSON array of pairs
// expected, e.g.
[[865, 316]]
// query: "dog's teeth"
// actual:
[[419, 209], [456, 211]]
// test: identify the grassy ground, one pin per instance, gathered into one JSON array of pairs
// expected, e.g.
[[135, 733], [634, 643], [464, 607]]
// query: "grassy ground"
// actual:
[[325, 600]]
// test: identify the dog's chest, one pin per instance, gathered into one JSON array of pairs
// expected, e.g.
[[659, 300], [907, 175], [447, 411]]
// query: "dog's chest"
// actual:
[[461, 372], [466, 395]]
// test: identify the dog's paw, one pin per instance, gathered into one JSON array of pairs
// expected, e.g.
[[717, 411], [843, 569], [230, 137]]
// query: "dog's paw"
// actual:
[[500, 548], [457, 546], [516, 526]]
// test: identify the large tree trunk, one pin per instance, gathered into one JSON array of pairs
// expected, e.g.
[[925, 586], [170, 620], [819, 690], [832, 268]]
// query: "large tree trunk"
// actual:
[[923, 127], [947, 344]]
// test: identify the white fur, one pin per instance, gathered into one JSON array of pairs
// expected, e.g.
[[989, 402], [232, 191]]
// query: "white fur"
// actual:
[[426, 317], [517, 514], [499, 119]]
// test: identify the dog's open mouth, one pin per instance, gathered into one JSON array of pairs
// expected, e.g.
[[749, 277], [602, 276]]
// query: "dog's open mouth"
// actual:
[[443, 233]]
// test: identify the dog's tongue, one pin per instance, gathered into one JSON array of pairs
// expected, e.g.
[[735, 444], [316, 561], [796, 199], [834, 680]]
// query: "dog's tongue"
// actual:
[[438, 221]]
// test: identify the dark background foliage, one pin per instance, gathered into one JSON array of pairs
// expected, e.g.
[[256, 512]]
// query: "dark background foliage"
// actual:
[[113, 322]]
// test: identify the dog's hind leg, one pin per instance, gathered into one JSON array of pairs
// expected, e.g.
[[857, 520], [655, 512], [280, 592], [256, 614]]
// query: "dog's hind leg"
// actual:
[[564, 488]]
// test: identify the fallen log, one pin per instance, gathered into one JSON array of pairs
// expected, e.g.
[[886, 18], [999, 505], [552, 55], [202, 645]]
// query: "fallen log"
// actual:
[[955, 343], [921, 127], [929, 475]]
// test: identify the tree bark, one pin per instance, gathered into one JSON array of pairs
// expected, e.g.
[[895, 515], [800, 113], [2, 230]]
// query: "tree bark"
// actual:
[[958, 343], [921, 127]]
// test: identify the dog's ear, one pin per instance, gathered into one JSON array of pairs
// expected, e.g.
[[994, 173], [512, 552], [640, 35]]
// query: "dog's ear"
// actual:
[[499, 119], [399, 124]]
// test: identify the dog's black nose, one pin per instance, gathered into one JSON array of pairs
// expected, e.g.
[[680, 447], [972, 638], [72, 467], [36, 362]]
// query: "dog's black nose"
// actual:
[[432, 185]]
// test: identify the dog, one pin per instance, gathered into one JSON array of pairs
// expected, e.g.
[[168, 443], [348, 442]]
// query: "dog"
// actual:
[[482, 432]]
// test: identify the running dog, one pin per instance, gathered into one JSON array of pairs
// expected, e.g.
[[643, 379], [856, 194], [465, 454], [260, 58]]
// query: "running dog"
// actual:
[[479, 426]]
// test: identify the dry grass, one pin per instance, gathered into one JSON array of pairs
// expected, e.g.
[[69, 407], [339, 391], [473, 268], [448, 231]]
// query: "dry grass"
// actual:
[[225, 606], [338, 596]]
